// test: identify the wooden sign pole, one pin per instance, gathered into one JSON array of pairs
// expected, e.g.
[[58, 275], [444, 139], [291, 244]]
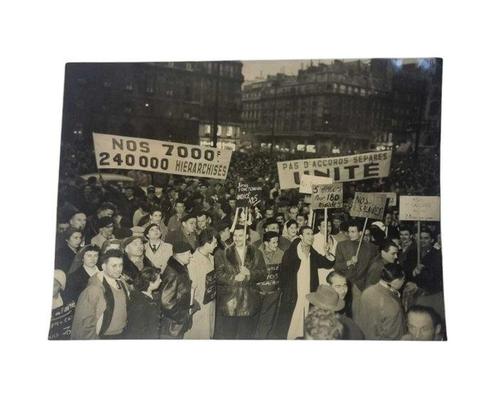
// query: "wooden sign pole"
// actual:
[[326, 229], [246, 211], [418, 243], [361, 237]]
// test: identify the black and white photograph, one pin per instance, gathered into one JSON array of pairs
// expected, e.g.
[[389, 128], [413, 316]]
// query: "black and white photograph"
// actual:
[[218, 202], [274, 199]]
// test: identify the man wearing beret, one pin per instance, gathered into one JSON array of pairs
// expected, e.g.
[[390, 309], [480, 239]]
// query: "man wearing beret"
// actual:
[[106, 228], [177, 301]]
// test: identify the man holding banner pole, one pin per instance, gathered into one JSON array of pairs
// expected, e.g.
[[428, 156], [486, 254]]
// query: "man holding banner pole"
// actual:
[[354, 257]]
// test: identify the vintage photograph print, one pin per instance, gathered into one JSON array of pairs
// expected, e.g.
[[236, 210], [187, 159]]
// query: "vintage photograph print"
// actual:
[[275, 199]]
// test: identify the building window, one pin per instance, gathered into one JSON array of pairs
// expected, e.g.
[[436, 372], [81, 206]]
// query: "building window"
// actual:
[[188, 66], [129, 86], [107, 84]]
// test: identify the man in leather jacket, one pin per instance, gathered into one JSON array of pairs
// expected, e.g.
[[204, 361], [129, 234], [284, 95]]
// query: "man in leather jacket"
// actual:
[[176, 299], [239, 268]]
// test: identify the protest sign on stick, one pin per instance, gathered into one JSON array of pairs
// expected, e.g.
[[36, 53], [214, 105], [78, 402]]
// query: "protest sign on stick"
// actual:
[[419, 208], [248, 195], [367, 205], [326, 196], [128, 153]]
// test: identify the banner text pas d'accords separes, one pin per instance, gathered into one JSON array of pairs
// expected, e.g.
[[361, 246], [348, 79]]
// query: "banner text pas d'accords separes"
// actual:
[[128, 153], [339, 168]]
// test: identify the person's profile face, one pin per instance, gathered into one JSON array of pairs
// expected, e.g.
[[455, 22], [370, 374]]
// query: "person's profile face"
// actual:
[[212, 245], [391, 256], [190, 225], [184, 257]]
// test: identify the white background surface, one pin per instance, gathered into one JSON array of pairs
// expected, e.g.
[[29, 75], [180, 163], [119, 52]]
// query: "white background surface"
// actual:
[[39, 37]]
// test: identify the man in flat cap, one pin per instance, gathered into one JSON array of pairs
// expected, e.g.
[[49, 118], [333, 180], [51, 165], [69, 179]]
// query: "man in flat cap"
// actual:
[[134, 259], [177, 300], [106, 228]]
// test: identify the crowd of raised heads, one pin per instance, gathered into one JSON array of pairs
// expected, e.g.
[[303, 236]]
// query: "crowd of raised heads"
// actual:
[[180, 260]]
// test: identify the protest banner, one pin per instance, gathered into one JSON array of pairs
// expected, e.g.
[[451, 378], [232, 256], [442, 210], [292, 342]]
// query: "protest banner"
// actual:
[[339, 169], [368, 205], [419, 208], [248, 195], [306, 181], [128, 153], [391, 198], [210, 291], [326, 196], [61, 322]]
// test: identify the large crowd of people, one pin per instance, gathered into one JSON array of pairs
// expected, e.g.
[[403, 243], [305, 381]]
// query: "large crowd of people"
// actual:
[[173, 257]]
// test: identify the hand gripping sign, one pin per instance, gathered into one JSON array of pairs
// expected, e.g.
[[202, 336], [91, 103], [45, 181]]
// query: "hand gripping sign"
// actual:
[[123, 152]]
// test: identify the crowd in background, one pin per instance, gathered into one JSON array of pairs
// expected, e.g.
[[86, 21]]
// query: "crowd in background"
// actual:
[[173, 257]]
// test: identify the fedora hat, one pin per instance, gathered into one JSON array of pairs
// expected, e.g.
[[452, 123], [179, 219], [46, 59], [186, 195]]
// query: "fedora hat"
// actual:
[[327, 298]]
